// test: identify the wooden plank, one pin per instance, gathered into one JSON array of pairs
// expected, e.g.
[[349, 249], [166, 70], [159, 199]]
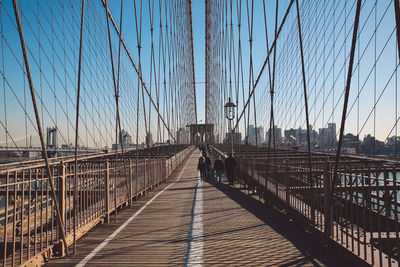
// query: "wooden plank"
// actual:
[[237, 230]]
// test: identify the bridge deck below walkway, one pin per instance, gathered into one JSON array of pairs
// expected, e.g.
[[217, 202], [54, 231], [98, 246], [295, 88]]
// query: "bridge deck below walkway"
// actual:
[[187, 222]]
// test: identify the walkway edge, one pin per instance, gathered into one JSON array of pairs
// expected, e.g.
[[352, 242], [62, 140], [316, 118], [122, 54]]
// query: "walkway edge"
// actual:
[[116, 232]]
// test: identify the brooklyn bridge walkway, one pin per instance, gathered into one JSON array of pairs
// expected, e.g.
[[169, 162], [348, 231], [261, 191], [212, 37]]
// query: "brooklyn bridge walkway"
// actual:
[[186, 222]]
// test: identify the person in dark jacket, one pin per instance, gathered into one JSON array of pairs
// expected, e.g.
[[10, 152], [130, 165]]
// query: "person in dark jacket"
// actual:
[[207, 163], [230, 165], [201, 166], [219, 169]]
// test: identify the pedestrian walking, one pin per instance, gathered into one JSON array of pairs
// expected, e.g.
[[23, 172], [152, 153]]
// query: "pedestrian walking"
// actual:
[[230, 165], [219, 169], [201, 166], [209, 170]]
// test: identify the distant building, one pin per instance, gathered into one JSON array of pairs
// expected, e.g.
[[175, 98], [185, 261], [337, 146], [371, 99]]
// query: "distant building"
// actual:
[[371, 146], [350, 141], [149, 139], [327, 136], [182, 136], [299, 136], [277, 134], [392, 146], [290, 135], [126, 139], [237, 138], [254, 133], [51, 137], [394, 140]]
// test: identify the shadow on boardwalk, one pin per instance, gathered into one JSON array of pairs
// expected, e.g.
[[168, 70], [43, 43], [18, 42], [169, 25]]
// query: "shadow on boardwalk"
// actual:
[[309, 252]]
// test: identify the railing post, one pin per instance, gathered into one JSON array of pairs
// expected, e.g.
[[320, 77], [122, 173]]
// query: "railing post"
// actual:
[[144, 176], [153, 172], [160, 177], [266, 181], [130, 184], [62, 204], [252, 174], [247, 176], [287, 186], [163, 168], [107, 190], [327, 207], [171, 165], [158, 168]]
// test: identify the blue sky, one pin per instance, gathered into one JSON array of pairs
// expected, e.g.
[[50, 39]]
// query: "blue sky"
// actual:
[[325, 24]]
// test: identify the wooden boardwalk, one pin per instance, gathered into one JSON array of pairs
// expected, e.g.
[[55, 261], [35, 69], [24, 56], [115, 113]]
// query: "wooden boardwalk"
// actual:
[[185, 223]]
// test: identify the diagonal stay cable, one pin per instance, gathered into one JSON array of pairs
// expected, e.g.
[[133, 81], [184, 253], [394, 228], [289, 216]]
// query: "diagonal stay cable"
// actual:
[[136, 68], [264, 64], [46, 159], [75, 197], [310, 178], [346, 98]]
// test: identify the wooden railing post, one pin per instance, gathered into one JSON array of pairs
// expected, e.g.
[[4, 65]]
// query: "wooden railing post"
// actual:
[[327, 207], [62, 204], [107, 190]]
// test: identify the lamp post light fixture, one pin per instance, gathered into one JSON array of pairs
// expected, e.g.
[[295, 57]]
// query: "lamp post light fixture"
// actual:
[[229, 109]]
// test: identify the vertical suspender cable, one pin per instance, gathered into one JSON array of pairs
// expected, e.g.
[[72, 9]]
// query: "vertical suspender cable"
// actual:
[[310, 178], [346, 99], [32, 90], [78, 92], [271, 93], [117, 113], [117, 103], [192, 50], [265, 63], [137, 70], [240, 61], [397, 17], [271, 135]]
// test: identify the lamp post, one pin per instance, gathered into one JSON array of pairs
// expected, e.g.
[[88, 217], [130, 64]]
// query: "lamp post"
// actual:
[[229, 109]]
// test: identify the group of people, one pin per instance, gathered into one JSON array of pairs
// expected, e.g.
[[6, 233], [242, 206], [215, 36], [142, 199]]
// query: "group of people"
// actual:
[[207, 171]]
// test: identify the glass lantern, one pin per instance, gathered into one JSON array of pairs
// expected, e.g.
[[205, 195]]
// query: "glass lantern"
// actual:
[[229, 109]]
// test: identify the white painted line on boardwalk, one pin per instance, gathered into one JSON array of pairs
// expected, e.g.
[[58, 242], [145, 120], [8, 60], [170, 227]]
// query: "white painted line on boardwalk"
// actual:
[[110, 237], [194, 251]]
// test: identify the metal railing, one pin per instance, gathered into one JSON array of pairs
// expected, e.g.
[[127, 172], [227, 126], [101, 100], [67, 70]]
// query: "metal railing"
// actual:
[[365, 210], [29, 232]]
